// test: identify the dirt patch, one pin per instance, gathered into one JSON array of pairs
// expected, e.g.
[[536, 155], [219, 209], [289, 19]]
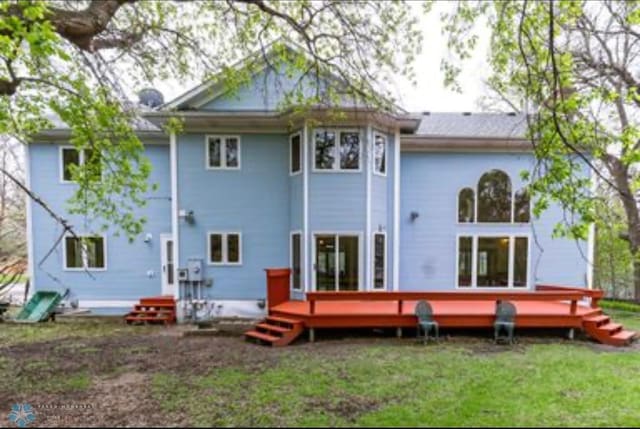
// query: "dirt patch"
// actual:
[[349, 408]]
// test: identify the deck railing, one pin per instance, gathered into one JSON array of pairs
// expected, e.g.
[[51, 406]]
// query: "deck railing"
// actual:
[[594, 294], [547, 293]]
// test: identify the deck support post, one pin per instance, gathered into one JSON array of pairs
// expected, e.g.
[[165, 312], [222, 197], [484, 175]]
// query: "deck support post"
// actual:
[[312, 335], [399, 332], [572, 333]]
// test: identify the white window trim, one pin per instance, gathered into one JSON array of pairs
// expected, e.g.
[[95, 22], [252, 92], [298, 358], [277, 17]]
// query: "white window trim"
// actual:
[[373, 261], [291, 172], [81, 161], [223, 151], [314, 234], [291, 234], [225, 251], [475, 205], [336, 159], [474, 259], [386, 154], [84, 255]]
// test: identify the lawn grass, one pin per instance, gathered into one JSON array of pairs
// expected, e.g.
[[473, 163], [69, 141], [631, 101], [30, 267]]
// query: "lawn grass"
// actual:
[[66, 327], [411, 385]]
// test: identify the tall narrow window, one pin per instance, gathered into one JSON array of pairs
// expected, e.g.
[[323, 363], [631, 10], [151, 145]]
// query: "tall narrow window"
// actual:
[[296, 270], [494, 197], [225, 248], [520, 261], [349, 151], [223, 152], [466, 205], [379, 261], [380, 154], [295, 154], [325, 149], [465, 258], [521, 209], [85, 252]]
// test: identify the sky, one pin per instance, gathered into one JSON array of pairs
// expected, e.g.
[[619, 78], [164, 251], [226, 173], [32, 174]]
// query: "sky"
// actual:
[[430, 93]]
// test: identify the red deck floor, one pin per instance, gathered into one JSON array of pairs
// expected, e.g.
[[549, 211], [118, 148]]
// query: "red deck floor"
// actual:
[[447, 313]]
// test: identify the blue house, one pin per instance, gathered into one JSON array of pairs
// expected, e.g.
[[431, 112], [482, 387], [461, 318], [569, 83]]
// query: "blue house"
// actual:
[[374, 200]]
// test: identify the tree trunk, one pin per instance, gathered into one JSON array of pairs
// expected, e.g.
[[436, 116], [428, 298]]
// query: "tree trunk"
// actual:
[[620, 174], [636, 277]]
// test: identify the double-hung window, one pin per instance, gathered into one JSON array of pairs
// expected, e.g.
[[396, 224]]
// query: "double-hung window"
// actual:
[[225, 248], [336, 150], [72, 158], [222, 152], [85, 253]]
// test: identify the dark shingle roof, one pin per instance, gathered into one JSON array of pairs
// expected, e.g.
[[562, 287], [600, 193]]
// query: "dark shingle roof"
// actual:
[[473, 125]]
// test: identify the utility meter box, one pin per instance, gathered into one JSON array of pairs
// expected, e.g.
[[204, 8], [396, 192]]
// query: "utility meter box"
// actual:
[[183, 274], [195, 267]]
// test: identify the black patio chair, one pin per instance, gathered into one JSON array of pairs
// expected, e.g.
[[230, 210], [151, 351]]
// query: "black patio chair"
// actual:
[[426, 324], [505, 321]]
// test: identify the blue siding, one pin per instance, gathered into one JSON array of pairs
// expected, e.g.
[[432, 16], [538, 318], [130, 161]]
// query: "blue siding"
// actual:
[[266, 91], [128, 264], [429, 185], [253, 200]]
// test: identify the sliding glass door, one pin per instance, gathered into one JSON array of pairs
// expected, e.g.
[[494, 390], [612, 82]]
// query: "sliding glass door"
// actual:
[[337, 262]]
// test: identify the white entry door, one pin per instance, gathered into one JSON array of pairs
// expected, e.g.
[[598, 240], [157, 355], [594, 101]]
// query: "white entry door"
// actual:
[[166, 258]]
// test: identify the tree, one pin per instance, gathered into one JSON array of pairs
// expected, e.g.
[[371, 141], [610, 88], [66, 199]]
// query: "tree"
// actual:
[[80, 60], [573, 67]]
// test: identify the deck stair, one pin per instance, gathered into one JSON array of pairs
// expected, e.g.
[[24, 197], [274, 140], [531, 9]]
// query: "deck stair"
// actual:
[[602, 329], [153, 310], [276, 331]]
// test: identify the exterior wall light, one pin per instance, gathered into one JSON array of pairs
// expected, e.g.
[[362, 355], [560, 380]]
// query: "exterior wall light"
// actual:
[[413, 216]]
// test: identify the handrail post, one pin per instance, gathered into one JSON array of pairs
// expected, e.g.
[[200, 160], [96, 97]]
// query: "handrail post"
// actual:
[[400, 307], [574, 307], [312, 306]]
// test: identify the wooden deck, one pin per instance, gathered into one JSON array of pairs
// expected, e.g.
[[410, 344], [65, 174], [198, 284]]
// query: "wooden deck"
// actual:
[[548, 306], [458, 314]]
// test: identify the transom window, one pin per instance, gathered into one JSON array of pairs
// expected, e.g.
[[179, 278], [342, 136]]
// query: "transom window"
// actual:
[[72, 158], [337, 150], [295, 154], [496, 202], [225, 248], [84, 253], [223, 152], [380, 154], [493, 261]]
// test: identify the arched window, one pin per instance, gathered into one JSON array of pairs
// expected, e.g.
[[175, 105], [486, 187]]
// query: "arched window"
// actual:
[[466, 205], [494, 197], [521, 209]]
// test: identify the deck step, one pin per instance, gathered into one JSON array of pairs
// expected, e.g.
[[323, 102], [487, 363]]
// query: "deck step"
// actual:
[[624, 336], [598, 320], [279, 319], [610, 327], [261, 336], [273, 328], [156, 309]]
